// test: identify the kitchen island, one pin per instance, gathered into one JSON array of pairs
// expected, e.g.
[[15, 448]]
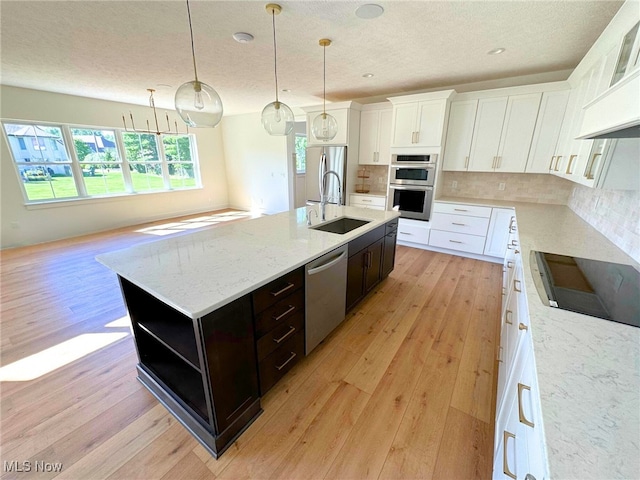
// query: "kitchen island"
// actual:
[[206, 307], [588, 369]]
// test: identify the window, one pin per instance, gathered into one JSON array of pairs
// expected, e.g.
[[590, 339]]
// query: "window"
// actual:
[[45, 174], [301, 154], [100, 162]]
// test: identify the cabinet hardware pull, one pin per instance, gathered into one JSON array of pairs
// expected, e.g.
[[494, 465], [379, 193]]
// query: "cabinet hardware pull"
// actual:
[[413, 137], [499, 163], [571, 159], [522, 326], [459, 224], [511, 246], [284, 314], [508, 317], [589, 170], [500, 354], [293, 355], [555, 167], [514, 243], [279, 292], [523, 419], [460, 210], [466, 162], [503, 291], [493, 163], [291, 330], [517, 286], [406, 233], [454, 241], [369, 259], [551, 163], [505, 464], [510, 264], [418, 137], [366, 200]]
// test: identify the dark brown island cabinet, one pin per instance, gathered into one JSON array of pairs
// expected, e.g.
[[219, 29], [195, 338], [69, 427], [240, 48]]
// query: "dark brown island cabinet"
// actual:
[[210, 372]]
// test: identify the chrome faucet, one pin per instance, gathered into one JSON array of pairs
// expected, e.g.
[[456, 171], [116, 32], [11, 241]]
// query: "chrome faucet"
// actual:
[[309, 216], [324, 196]]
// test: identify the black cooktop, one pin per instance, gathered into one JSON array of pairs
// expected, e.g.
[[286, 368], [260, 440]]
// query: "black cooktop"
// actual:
[[601, 289]]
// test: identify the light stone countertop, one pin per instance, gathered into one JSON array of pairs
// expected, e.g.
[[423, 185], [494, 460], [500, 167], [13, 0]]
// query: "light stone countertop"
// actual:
[[202, 271], [588, 368]]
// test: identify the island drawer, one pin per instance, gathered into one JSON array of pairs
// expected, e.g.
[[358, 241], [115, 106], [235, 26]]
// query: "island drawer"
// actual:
[[276, 337], [272, 292], [278, 363], [279, 313]]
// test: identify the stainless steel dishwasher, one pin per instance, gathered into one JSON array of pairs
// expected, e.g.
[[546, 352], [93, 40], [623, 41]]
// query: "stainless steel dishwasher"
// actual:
[[325, 295]]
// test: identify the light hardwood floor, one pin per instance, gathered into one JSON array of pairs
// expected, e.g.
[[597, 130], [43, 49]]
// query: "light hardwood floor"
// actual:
[[404, 388]]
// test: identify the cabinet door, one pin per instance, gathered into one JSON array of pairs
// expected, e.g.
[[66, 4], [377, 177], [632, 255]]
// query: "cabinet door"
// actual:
[[547, 132], [373, 267], [498, 234], [404, 124], [355, 278], [486, 134], [459, 134], [384, 137], [389, 254], [369, 122], [229, 346], [517, 132], [430, 123]]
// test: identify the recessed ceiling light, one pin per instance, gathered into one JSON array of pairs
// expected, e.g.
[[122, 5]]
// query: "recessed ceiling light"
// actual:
[[368, 75], [242, 37], [496, 51], [368, 11]]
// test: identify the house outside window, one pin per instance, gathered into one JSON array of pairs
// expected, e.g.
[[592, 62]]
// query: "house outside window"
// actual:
[[98, 162]]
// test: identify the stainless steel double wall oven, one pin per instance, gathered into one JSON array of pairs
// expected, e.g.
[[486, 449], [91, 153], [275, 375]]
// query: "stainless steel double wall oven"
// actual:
[[411, 180]]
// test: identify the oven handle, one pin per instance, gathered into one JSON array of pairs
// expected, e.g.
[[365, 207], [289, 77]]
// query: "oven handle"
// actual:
[[410, 187], [417, 166]]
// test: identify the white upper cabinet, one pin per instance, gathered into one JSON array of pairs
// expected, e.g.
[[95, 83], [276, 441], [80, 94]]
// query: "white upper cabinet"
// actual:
[[342, 118], [418, 120], [486, 134], [503, 132], [375, 135], [545, 138], [459, 135]]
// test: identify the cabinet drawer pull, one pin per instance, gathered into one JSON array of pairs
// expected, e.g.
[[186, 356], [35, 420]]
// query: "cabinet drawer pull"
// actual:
[[505, 463], [460, 210], [459, 224], [522, 326], [284, 314], [555, 167], [510, 264], [291, 330], [523, 419], [293, 355], [517, 286], [551, 163], [406, 233], [279, 292], [499, 163], [365, 200], [508, 317], [454, 241], [466, 162], [569, 171], [500, 354]]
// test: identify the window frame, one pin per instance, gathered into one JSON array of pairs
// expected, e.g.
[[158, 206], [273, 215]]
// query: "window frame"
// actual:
[[76, 169]]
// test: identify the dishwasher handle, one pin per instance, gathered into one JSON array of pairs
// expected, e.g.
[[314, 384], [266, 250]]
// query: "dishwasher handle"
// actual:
[[323, 267]]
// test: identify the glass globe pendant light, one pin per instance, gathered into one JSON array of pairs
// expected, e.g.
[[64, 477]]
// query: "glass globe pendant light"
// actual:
[[324, 127], [197, 103], [277, 118]]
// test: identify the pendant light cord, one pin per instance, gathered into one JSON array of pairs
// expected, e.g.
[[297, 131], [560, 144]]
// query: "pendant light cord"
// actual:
[[275, 51], [193, 50], [324, 81]]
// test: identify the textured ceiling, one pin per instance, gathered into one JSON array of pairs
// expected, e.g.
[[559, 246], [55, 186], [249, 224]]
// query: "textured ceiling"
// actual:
[[115, 50]]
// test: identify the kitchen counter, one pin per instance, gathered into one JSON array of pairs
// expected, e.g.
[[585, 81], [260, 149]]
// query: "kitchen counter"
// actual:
[[588, 368], [200, 272]]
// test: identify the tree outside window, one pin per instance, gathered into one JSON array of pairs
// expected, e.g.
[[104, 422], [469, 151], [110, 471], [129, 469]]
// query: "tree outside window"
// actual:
[[301, 154]]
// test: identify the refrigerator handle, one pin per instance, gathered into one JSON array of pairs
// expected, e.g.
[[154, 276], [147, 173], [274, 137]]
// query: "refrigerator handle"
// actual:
[[322, 168]]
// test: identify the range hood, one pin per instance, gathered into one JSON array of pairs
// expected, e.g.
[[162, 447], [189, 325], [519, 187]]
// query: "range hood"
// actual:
[[615, 113]]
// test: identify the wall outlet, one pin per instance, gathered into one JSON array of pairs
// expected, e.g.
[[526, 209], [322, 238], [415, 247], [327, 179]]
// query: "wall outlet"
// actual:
[[501, 186], [454, 184]]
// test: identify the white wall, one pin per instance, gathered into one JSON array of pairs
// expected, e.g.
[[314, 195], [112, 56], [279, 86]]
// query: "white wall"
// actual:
[[257, 170], [25, 225]]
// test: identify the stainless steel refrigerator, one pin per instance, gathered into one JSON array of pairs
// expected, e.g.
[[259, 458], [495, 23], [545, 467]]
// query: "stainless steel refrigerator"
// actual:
[[319, 161]]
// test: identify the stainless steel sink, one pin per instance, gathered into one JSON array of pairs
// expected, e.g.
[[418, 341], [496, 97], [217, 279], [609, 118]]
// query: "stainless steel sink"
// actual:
[[340, 225]]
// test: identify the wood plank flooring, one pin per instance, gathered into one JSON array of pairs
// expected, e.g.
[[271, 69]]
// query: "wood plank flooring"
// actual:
[[404, 388]]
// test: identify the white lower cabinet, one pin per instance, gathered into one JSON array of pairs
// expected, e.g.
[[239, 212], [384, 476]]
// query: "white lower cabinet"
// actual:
[[367, 201], [501, 222], [413, 232]]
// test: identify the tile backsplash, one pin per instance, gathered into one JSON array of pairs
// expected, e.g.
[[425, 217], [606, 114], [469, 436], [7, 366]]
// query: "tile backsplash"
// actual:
[[519, 187], [614, 213], [377, 178]]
